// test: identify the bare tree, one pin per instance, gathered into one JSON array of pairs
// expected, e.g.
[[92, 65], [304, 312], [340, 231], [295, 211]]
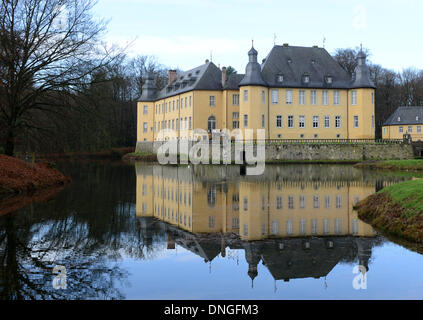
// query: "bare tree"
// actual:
[[46, 46]]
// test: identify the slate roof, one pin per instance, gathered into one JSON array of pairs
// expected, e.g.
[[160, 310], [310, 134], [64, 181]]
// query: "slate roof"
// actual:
[[294, 62], [204, 77], [232, 82], [407, 116]]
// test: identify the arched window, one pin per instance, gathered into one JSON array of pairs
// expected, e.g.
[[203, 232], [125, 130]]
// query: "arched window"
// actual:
[[211, 123]]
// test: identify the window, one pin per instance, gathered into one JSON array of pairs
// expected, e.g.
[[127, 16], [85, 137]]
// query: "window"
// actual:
[[245, 204], [313, 97], [275, 227], [211, 196], [279, 78], [338, 122], [315, 121], [301, 122], [186, 104], [211, 123], [245, 95], [245, 233], [145, 126], [401, 129], [275, 96], [316, 136], [177, 124], [313, 226], [212, 101], [325, 97], [289, 227], [211, 222], [327, 202], [410, 129], [419, 129], [177, 104], [306, 78], [190, 123], [302, 226], [302, 97], [373, 122], [263, 97], [278, 121], [336, 98], [173, 105], [327, 122], [355, 121], [190, 101], [354, 98], [262, 121], [245, 120], [235, 115], [288, 96], [329, 79], [145, 109], [316, 202], [291, 202], [278, 203], [235, 99], [326, 226], [302, 202], [338, 202], [173, 124], [290, 121], [235, 124], [373, 98]]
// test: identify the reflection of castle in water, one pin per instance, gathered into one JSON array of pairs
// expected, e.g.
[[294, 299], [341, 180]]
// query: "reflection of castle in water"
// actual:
[[303, 214]]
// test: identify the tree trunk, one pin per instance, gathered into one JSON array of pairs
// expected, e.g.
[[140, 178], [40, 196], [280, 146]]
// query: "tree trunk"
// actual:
[[10, 143]]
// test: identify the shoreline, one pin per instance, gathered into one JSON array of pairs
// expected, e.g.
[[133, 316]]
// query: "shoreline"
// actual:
[[396, 210], [18, 177]]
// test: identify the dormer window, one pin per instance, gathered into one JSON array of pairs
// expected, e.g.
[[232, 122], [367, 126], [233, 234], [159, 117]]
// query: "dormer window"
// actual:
[[289, 60], [417, 118], [306, 78], [399, 119], [279, 78], [329, 79]]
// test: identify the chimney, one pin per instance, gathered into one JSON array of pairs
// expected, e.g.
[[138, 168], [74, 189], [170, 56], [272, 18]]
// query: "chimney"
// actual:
[[223, 76], [171, 76]]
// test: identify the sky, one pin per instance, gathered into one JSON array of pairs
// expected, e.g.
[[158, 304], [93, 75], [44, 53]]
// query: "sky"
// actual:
[[182, 34]]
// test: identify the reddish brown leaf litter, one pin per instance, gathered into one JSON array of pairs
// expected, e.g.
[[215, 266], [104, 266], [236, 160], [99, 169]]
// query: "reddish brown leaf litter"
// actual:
[[17, 176]]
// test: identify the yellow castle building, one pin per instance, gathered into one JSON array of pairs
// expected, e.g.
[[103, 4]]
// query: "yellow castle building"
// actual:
[[404, 121], [295, 93]]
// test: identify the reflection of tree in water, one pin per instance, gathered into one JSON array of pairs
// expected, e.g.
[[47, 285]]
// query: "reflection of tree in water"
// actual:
[[87, 228]]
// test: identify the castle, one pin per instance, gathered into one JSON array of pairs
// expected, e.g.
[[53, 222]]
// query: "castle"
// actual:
[[295, 93]]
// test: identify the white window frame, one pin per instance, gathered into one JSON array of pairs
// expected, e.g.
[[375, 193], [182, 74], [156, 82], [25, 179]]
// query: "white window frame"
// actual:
[[279, 118], [336, 98], [354, 98], [338, 122], [302, 97], [356, 123], [288, 96], [245, 95], [313, 97], [275, 96], [316, 122], [235, 99], [212, 101], [145, 111], [327, 122], [301, 121], [290, 121], [325, 97]]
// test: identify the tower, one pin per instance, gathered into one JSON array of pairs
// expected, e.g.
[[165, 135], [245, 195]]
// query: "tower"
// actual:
[[145, 110], [253, 97], [361, 102]]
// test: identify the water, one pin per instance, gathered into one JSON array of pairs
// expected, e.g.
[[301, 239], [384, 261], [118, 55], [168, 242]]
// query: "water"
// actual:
[[152, 232]]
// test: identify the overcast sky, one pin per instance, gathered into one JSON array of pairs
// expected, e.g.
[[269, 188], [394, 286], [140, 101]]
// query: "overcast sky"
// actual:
[[183, 33]]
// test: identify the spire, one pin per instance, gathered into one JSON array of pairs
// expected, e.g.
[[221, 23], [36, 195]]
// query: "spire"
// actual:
[[149, 88], [362, 72], [253, 70]]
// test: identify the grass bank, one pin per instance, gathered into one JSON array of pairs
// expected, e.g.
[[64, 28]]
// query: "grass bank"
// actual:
[[411, 164], [396, 210], [20, 177]]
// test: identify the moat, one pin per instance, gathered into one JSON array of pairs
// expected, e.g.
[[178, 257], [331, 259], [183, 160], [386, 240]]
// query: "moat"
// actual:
[[145, 231]]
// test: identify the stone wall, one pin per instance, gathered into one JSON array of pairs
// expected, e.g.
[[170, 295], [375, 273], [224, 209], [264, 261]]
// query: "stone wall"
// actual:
[[319, 152]]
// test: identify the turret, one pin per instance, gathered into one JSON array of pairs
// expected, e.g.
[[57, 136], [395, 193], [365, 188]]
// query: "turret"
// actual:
[[252, 71], [149, 88], [362, 73]]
